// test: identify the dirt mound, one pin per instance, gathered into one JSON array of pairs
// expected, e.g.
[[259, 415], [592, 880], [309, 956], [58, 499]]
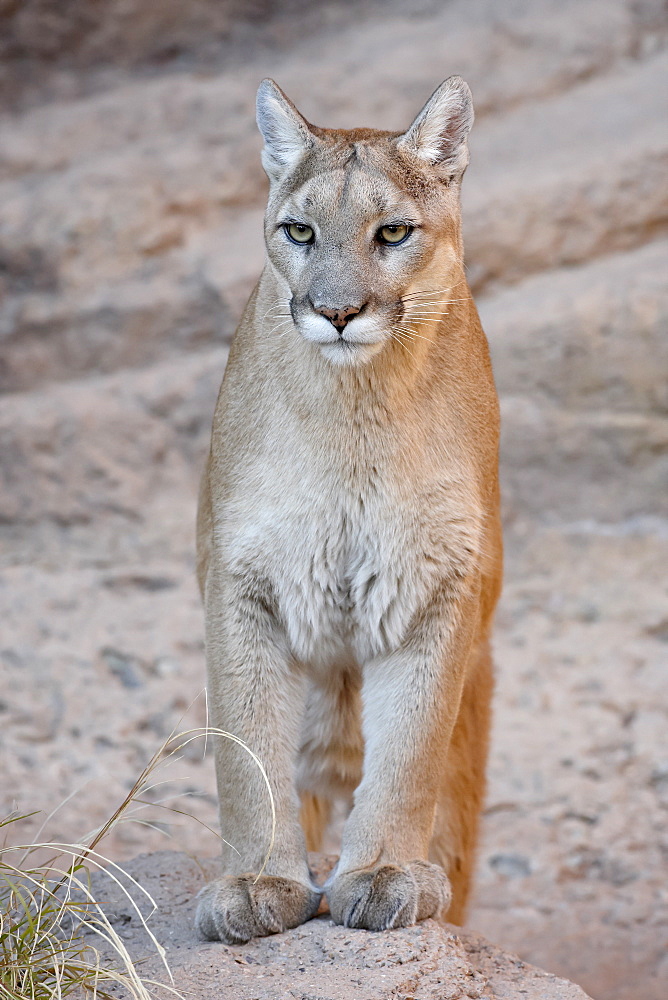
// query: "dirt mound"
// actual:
[[319, 960]]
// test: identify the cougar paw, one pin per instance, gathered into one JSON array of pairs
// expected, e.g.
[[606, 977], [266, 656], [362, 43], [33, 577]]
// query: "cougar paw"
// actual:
[[389, 895], [236, 909]]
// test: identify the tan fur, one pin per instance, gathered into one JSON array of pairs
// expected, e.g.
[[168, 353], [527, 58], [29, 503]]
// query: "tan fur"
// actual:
[[349, 547]]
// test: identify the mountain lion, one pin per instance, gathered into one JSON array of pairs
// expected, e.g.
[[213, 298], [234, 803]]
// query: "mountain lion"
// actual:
[[349, 547]]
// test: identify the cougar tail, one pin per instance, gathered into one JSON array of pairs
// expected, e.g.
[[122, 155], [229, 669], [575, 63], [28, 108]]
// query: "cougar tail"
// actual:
[[314, 815]]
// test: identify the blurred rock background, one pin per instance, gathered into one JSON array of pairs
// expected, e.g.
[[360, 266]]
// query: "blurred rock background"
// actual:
[[131, 200]]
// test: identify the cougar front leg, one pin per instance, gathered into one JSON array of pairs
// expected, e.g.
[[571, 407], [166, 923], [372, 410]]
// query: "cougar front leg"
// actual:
[[255, 694], [411, 699]]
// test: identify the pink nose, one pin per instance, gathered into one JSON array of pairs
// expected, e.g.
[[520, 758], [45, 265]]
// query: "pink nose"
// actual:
[[339, 317]]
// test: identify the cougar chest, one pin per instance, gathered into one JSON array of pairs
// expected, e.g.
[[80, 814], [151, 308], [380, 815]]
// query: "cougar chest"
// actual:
[[332, 568], [344, 565]]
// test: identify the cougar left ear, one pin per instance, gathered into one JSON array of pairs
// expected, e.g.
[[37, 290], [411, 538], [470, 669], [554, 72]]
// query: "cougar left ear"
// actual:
[[286, 133], [439, 133]]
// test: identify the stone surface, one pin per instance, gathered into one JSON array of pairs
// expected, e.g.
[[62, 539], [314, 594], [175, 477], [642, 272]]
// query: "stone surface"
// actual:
[[130, 234], [319, 960], [124, 225], [556, 184], [588, 338]]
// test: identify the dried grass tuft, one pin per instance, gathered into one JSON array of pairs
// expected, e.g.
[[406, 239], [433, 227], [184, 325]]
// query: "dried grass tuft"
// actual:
[[49, 915]]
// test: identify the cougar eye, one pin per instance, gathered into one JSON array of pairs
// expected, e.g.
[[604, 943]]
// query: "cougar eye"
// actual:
[[393, 235], [299, 233]]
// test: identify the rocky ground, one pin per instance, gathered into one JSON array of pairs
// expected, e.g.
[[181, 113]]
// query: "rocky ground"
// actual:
[[130, 234], [317, 961]]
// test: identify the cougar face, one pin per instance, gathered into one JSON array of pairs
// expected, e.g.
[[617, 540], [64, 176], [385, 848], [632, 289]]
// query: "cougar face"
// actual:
[[358, 225]]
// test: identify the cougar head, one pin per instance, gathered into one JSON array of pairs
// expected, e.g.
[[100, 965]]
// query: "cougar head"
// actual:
[[363, 227]]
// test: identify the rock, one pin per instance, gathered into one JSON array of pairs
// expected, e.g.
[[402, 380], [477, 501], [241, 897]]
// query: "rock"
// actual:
[[560, 465], [586, 338], [124, 666], [90, 445], [319, 960], [130, 221], [552, 44], [62, 335], [573, 177], [576, 354], [510, 865]]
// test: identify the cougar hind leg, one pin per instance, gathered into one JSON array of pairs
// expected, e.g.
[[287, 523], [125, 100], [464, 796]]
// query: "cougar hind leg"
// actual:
[[314, 815], [455, 836], [331, 752]]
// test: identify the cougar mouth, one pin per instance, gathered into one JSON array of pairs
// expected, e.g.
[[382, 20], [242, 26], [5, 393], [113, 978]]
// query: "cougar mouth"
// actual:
[[361, 333], [350, 352]]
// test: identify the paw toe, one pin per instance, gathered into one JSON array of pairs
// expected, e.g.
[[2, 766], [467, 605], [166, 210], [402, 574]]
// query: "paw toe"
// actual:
[[375, 899], [234, 910], [389, 895]]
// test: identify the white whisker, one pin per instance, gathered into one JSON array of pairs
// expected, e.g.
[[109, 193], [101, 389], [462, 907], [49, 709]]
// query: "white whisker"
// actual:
[[283, 322], [425, 291], [409, 332], [397, 338], [421, 314], [432, 302], [275, 305], [429, 293]]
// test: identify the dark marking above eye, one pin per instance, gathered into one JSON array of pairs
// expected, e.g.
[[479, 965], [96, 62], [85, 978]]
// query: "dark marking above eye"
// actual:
[[350, 169]]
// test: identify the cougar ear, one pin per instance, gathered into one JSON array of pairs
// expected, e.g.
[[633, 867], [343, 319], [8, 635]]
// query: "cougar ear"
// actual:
[[438, 134], [286, 133]]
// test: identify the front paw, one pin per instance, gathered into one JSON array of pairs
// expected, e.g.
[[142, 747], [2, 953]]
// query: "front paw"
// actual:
[[389, 895], [235, 909]]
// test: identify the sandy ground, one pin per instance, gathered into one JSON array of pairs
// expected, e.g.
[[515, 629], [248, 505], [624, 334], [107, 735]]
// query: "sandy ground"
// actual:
[[130, 234], [318, 960]]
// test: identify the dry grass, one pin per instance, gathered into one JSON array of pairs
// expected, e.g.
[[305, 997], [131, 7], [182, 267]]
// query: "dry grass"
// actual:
[[50, 919]]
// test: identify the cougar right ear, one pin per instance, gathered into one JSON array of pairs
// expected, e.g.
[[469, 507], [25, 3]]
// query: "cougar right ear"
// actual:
[[439, 133], [287, 135]]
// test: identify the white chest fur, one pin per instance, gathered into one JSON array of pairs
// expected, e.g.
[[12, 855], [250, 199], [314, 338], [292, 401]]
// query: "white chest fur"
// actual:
[[349, 569]]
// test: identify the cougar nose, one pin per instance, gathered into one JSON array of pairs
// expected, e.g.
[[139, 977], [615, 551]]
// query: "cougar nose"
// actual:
[[339, 317]]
